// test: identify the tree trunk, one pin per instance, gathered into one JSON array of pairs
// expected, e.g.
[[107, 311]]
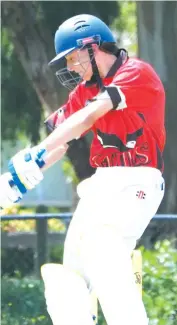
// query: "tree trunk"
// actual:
[[32, 43], [34, 47], [157, 36]]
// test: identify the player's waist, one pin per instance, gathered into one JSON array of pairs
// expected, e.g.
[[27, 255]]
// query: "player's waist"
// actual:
[[107, 180], [127, 175]]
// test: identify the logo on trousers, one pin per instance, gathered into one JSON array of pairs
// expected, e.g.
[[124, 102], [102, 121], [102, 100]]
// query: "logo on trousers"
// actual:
[[138, 278], [141, 195]]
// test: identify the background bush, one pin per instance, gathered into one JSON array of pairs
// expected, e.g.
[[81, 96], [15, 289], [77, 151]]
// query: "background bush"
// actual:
[[160, 283], [23, 302], [23, 299]]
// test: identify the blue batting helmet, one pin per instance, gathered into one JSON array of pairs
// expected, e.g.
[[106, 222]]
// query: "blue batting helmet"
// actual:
[[78, 31]]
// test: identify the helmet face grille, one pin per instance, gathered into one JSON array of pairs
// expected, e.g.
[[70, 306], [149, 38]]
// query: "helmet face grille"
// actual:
[[68, 79]]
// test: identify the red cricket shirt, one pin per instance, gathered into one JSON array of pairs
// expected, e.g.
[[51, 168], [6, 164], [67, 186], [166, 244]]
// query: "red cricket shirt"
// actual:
[[133, 136]]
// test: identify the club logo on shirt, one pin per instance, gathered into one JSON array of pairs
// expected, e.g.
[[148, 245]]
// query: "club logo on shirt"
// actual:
[[116, 153], [131, 144], [113, 141]]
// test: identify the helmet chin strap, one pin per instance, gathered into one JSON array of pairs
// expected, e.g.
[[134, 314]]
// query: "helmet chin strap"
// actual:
[[95, 70]]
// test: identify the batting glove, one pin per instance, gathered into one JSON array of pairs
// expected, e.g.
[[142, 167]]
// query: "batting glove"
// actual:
[[25, 168], [9, 193]]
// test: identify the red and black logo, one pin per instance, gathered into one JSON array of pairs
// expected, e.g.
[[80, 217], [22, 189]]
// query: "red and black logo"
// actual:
[[141, 195]]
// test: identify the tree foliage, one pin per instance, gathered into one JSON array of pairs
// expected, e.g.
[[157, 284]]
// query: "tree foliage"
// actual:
[[21, 109], [159, 283], [125, 26]]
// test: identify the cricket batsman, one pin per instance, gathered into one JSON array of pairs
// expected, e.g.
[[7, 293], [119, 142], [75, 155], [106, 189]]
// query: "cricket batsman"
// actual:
[[122, 101]]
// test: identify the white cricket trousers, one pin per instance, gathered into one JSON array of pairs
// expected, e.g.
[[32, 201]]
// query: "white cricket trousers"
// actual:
[[116, 205]]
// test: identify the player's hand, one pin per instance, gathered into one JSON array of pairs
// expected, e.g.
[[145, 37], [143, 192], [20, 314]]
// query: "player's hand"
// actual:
[[9, 194], [25, 168]]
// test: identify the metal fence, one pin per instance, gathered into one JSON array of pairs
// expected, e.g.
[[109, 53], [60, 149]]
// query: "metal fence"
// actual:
[[26, 251]]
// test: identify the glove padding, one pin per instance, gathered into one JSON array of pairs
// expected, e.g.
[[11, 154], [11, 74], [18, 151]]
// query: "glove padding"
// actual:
[[25, 170], [9, 194]]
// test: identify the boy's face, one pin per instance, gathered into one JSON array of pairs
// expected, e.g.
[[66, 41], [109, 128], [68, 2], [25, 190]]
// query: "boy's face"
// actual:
[[79, 62]]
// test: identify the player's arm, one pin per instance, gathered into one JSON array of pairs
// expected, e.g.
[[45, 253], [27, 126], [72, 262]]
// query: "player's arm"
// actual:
[[25, 167], [54, 155], [51, 123], [82, 120], [73, 127]]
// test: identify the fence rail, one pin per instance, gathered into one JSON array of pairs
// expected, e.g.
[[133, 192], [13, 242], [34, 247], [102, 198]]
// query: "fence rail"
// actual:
[[68, 216]]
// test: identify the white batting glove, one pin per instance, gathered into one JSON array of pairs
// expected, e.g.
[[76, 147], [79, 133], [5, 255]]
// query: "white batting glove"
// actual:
[[9, 194], [25, 170]]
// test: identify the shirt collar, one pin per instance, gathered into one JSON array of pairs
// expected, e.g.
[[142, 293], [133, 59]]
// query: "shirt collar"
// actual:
[[116, 65]]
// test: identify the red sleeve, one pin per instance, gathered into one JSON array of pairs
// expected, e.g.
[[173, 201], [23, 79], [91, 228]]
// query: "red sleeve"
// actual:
[[139, 84], [127, 75], [129, 83], [76, 101], [71, 106]]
